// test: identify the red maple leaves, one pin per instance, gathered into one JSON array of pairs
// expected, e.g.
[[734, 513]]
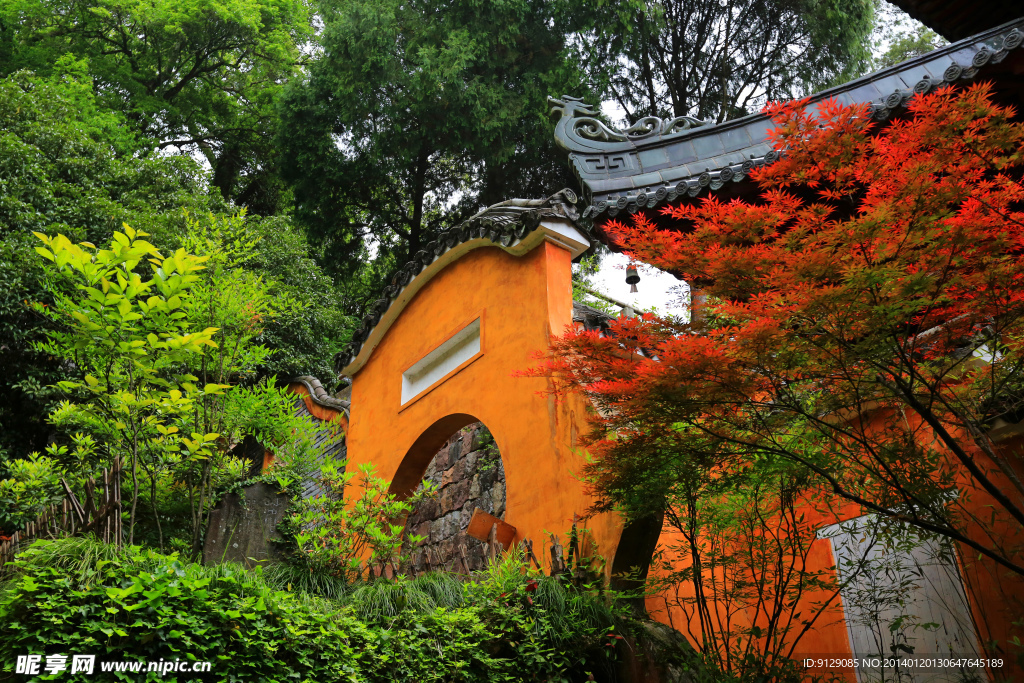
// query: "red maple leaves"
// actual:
[[880, 262]]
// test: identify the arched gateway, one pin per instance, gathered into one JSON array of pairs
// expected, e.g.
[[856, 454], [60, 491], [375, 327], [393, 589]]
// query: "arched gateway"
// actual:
[[440, 352]]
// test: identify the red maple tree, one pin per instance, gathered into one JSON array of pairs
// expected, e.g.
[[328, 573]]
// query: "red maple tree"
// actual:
[[863, 324]]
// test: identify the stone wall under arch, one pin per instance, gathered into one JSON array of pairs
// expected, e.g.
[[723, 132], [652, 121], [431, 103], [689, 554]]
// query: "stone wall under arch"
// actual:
[[468, 474]]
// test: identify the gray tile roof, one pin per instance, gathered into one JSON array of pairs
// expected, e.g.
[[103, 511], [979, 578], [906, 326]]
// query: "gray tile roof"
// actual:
[[320, 395], [657, 161], [504, 224], [591, 318]]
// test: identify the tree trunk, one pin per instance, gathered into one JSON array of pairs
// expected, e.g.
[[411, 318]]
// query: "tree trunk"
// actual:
[[418, 192], [135, 491], [156, 513], [698, 305]]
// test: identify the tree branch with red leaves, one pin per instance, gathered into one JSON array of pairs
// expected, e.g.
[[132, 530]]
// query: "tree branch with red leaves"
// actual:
[[862, 332]]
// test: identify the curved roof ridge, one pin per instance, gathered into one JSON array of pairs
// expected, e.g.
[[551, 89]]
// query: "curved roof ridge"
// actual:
[[504, 224], [655, 161], [320, 395]]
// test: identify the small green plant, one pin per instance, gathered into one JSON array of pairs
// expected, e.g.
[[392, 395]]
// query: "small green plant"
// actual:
[[550, 626], [34, 483], [338, 536], [383, 599], [490, 456]]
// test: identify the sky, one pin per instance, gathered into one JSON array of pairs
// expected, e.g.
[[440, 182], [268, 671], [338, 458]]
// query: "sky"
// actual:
[[657, 289]]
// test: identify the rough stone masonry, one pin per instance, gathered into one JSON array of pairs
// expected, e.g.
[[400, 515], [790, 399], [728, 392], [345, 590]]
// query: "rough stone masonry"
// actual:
[[468, 474]]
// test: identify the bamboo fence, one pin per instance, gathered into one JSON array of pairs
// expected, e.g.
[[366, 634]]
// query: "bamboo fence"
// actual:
[[101, 515]]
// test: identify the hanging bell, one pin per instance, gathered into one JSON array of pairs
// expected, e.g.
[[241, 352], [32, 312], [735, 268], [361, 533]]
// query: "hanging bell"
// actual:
[[632, 277]]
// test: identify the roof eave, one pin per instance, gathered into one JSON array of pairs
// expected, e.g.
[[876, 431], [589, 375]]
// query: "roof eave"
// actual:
[[660, 161]]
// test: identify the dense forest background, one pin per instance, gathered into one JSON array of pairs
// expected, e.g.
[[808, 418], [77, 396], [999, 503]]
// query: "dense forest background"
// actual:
[[347, 131]]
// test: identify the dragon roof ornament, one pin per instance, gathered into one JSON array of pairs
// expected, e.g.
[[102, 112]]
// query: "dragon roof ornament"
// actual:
[[655, 160], [578, 128]]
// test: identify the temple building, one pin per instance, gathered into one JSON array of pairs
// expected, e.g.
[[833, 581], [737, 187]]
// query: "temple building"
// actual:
[[970, 606], [434, 368]]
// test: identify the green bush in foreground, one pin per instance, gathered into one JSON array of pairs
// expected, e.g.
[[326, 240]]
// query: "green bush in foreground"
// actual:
[[77, 596]]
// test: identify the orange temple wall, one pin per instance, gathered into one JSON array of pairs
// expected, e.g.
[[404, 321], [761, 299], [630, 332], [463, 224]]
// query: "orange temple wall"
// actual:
[[521, 301]]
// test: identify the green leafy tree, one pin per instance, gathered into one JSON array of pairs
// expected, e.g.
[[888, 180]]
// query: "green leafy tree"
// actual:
[[197, 76], [166, 365], [70, 166], [584, 290], [67, 166], [34, 484], [897, 37], [237, 303], [127, 336], [721, 59], [306, 337], [415, 114]]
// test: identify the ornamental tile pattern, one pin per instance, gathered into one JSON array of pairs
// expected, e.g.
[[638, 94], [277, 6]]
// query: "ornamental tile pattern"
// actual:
[[656, 161]]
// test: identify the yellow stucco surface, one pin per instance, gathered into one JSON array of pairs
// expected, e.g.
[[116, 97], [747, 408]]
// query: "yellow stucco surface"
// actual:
[[522, 301]]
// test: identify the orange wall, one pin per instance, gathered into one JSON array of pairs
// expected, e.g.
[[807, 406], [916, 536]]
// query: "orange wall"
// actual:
[[996, 594], [828, 634], [523, 301]]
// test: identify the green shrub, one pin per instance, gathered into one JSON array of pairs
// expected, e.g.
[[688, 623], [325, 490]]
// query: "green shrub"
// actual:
[[34, 483], [137, 605], [78, 596], [336, 534], [547, 627]]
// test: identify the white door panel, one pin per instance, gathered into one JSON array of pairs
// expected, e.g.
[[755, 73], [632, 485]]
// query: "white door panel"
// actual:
[[904, 600]]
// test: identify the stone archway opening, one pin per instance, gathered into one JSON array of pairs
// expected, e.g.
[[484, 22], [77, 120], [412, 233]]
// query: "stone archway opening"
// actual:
[[469, 474]]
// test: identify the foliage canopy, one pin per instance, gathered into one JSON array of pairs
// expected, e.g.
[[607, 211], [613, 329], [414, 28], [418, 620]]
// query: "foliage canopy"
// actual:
[[862, 324], [198, 75], [67, 165], [723, 59], [413, 118]]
